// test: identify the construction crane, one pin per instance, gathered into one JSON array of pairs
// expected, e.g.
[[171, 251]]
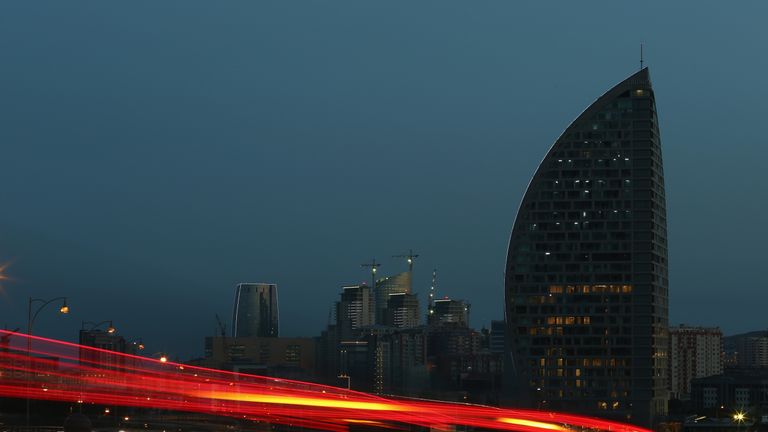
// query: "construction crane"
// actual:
[[223, 332], [221, 327], [373, 265], [410, 257]]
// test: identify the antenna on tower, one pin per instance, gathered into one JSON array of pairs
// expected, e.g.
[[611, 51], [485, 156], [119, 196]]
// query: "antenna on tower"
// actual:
[[432, 294], [641, 56]]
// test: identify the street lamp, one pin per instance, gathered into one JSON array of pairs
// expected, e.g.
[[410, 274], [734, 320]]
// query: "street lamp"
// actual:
[[348, 380], [739, 417], [138, 344], [111, 329], [31, 317], [64, 309], [162, 356]]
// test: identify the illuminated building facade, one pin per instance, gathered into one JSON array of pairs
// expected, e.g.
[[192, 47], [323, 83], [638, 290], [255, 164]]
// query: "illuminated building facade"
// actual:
[[255, 313], [402, 311], [396, 284], [694, 352], [449, 311], [354, 310], [586, 280]]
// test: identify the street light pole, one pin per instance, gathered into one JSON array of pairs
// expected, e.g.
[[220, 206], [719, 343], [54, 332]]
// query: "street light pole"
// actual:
[[30, 323], [94, 325], [349, 380]]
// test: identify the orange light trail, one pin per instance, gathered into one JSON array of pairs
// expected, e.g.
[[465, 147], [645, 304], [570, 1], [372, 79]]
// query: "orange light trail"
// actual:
[[62, 371]]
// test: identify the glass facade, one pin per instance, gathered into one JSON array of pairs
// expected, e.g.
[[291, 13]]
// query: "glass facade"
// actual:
[[255, 312], [586, 278], [396, 284]]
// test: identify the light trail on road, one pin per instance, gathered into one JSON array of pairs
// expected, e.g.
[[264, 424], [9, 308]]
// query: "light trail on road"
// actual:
[[62, 371]]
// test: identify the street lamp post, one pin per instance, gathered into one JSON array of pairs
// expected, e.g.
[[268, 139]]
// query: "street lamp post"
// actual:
[[94, 325], [64, 309], [137, 344], [160, 356], [31, 317], [349, 380]]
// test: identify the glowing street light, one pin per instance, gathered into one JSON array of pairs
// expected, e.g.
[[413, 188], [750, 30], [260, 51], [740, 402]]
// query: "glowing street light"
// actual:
[[64, 309], [739, 417], [94, 325], [138, 344], [160, 356]]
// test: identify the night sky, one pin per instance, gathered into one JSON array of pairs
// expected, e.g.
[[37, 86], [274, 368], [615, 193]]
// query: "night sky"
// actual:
[[153, 154]]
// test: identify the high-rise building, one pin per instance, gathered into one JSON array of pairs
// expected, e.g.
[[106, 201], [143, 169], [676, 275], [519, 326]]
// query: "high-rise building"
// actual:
[[354, 310], [105, 341], [694, 352], [497, 343], [255, 311], [402, 310], [396, 284], [752, 351], [586, 277], [449, 311]]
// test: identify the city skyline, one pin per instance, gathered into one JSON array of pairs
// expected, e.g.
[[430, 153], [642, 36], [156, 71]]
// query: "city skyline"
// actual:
[[141, 166]]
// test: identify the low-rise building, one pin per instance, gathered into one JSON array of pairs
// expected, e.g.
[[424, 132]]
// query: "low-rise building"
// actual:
[[733, 390], [291, 358]]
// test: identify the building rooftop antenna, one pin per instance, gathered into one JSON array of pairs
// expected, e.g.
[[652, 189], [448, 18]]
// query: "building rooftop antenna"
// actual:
[[641, 56], [432, 293]]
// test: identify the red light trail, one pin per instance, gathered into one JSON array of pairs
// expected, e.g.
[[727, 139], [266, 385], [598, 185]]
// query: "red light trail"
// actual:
[[62, 371]]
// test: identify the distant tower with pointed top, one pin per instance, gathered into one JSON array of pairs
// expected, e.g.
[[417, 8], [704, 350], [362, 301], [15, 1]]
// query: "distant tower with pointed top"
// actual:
[[586, 280]]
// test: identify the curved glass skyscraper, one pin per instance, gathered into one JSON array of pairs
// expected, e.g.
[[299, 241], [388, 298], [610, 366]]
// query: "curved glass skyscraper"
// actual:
[[586, 276], [255, 311]]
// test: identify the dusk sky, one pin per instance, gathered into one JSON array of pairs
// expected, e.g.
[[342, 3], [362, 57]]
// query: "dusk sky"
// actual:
[[155, 153]]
